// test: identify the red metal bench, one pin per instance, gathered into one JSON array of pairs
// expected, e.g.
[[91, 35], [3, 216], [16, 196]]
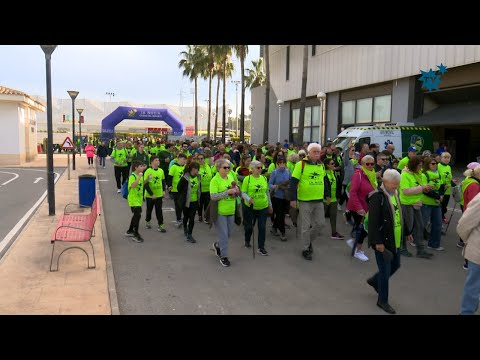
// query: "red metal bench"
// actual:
[[76, 228]]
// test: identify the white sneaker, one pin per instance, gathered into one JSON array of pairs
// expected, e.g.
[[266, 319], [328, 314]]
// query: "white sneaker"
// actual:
[[339, 207], [119, 191], [360, 255], [350, 243], [440, 248]]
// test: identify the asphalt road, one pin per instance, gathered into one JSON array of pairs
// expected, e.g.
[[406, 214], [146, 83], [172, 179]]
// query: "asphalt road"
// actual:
[[20, 190], [166, 275]]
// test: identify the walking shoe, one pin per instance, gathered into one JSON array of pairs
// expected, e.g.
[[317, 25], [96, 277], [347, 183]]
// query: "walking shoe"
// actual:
[[306, 255], [247, 245], [190, 239], [424, 255], [137, 238], [360, 255], [262, 252], [216, 248], [440, 248], [310, 248], [119, 191], [129, 233], [200, 219], [205, 221], [460, 244], [161, 228], [274, 232], [412, 244], [104, 167], [372, 283], [185, 232], [337, 236], [405, 252], [465, 266], [445, 220], [148, 225], [283, 237], [350, 243], [224, 261], [339, 207], [179, 223], [287, 226], [386, 307]]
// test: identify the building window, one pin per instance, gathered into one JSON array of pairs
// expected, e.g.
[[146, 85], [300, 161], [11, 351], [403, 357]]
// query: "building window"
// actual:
[[348, 112], [287, 75], [311, 129], [364, 111], [381, 108], [314, 50]]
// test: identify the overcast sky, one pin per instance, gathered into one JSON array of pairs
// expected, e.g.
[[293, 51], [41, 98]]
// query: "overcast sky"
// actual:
[[137, 73]]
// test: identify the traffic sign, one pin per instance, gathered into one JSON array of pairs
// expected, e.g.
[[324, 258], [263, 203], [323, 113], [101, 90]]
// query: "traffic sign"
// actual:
[[67, 144]]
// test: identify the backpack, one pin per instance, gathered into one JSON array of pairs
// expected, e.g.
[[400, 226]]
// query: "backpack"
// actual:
[[125, 189]]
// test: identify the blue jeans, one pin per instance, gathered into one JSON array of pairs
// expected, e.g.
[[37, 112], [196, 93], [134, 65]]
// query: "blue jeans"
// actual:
[[224, 225], [102, 160], [471, 290], [250, 216], [385, 270], [433, 214]]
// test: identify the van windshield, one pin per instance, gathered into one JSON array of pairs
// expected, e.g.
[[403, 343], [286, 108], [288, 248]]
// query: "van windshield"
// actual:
[[343, 141]]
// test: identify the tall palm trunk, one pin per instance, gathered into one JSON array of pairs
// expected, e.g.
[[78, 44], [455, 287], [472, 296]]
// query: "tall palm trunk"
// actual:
[[301, 121], [224, 112], [196, 107], [209, 103], [216, 109], [242, 108], [267, 94]]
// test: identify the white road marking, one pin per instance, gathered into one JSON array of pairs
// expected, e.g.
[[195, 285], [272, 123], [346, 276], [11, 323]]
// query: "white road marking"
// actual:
[[37, 180], [6, 182], [103, 180], [6, 240]]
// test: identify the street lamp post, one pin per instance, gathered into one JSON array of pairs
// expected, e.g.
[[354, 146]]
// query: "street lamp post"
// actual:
[[80, 128], [73, 95], [279, 103], [236, 82], [323, 97], [48, 50]]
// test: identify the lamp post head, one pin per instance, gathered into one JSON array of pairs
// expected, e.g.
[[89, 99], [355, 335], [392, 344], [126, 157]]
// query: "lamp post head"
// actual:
[[73, 94], [251, 107], [321, 95], [48, 49], [279, 102], [79, 111]]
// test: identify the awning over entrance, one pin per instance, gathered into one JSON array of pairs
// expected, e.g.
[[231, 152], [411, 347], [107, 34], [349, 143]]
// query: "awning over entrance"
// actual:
[[451, 114]]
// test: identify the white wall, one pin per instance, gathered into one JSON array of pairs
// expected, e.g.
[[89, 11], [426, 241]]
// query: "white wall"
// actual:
[[9, 124]]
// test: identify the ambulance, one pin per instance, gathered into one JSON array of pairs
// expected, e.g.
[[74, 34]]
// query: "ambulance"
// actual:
[[401, 136]]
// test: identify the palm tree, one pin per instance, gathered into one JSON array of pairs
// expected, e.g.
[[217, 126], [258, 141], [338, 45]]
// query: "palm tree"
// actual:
[[208, 63], [256, 75], [267, 93], [228, 69], [217, 71], [191, 69], [301, 121], [241, 51]]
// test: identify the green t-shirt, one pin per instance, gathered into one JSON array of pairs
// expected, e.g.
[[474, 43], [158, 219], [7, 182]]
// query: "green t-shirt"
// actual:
[[333, 185], [402, 164], [289, 152], [397, 226], [435, 180], [176, 172], [206, 174], [271, 167], [310, 183], [120, 157], [256, 188], [218, 185], [291, 166], [155, 183], [446, 175], [408, 181], [194, 189], [135, 195]]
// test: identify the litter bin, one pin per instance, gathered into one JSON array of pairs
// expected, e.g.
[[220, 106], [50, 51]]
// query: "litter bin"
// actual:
[[86, 189]]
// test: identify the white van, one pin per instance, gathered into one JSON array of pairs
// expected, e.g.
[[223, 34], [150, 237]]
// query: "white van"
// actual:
[[402, 137]]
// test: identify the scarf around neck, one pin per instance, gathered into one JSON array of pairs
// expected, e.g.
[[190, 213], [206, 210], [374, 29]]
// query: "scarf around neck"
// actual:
[[372, 177]]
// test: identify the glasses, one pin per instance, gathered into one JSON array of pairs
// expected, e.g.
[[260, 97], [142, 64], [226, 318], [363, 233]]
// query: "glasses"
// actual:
[[433, 163], [226, 167], [369, 164], [258, 167]]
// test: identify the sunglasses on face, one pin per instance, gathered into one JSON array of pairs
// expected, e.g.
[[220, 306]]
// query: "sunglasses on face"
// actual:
[[433, 163], [226, 167], [258, 167], [369, 164]]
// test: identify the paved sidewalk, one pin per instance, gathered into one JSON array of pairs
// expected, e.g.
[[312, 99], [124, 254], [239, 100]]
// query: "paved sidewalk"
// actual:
[[26, 284]]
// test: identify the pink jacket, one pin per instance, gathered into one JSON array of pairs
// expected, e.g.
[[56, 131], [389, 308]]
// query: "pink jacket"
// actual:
[[90, 150], [359, 189]]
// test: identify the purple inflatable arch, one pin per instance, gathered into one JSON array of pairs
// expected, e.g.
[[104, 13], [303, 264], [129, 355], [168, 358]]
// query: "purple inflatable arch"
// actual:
[[130, 113]]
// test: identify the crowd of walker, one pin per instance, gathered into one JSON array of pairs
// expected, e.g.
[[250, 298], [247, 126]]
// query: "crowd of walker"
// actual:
[[400, 202]]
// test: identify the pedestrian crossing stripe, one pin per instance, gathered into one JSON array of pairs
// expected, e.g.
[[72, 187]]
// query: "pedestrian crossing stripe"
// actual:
[[67, 143]]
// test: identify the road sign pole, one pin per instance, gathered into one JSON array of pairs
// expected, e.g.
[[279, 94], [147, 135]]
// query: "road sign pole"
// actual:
[[68, 166]]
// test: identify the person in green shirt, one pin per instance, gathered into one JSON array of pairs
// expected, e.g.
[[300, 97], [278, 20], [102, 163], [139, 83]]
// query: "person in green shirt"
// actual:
[[189, 192], [309, 176], [412, 187], [174, 175], [224, 191], [446, 175], [385, 230], [154, 187], [205, 172], [141, 155], [331, 209], [120, 157], [135, 199], [256, 206], [292, 159], [412, 152]]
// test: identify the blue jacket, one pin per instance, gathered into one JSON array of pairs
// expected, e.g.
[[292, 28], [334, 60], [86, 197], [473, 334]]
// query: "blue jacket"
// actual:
[[277, 177]]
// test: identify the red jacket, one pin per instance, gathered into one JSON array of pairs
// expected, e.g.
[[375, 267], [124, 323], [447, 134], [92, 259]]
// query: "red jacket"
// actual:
[[470, 192], [359, 189]]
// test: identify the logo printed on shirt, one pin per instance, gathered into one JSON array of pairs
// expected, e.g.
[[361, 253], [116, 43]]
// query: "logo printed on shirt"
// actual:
[[193, 182]]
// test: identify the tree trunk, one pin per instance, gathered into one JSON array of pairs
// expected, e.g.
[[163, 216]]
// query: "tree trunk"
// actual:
[[196, 107], [224, 100], [301, 120], [209, 104], [216, 109], [242, 106], [267, 94]]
